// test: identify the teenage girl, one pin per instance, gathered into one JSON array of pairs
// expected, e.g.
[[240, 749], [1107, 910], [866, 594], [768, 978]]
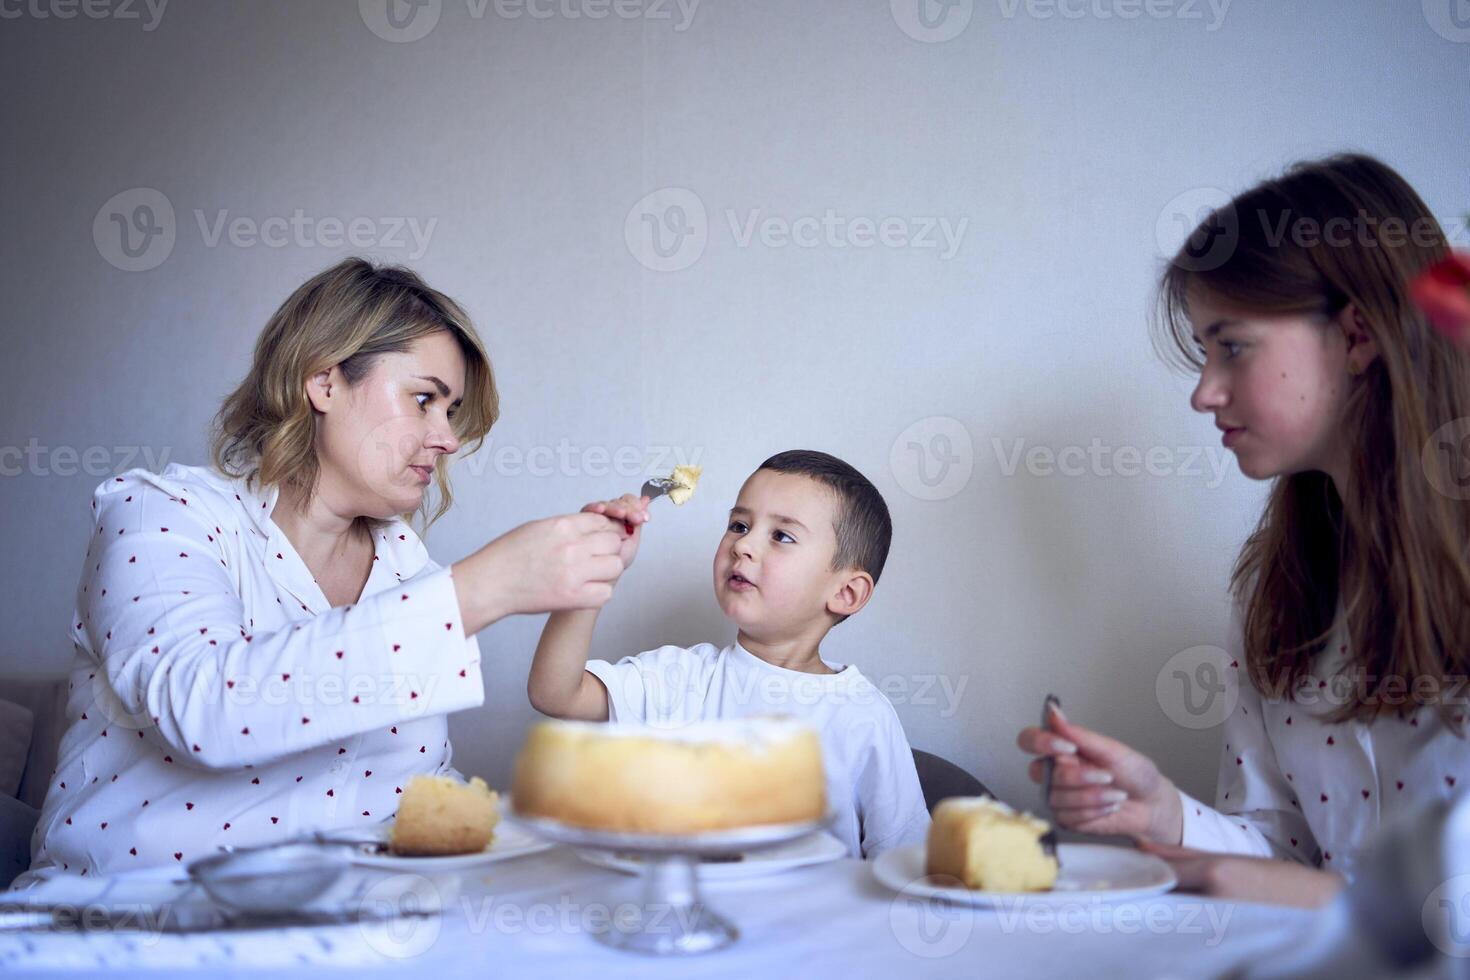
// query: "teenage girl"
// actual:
[[1352, 596]]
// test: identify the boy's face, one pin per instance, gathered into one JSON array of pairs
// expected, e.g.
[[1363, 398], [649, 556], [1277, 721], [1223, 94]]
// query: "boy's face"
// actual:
[[773, 569]]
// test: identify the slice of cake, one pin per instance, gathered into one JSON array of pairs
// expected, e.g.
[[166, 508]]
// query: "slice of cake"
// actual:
[[439, 815], [686, 478], [713, 775], [989, 846]]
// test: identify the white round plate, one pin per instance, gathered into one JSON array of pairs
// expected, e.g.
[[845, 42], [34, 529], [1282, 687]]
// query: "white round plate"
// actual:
[[509, 841], [816, 848], [1089, 872]]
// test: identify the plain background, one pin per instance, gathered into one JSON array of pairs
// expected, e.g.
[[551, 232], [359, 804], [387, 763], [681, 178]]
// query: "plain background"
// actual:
[[1074, 144]]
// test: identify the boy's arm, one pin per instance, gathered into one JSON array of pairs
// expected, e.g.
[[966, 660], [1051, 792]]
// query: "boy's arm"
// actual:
[[560, 685]]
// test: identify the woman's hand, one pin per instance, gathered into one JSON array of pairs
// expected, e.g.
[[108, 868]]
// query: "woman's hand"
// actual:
[[633, 513], [557, 563], [1101, 786], [1249, 879]]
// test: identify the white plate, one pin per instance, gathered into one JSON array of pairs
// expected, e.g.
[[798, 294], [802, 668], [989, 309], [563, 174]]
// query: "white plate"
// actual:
[[1090, 872], [509, 841], [816, 848]]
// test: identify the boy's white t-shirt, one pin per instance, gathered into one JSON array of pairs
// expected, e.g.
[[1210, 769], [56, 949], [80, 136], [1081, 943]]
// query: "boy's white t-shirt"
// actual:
[[871, 780]]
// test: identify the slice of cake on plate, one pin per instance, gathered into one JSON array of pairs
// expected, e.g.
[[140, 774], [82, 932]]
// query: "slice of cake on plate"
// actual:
[[440, 816], [989, 846]]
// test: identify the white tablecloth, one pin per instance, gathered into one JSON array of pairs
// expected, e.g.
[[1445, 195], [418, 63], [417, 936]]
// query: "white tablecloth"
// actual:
[[531, 917]]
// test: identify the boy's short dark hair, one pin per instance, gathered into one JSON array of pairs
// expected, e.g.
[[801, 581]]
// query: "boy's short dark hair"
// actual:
[[864, 529]]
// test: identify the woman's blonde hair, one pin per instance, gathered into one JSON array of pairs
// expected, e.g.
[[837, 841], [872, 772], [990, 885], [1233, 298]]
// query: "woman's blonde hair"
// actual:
[[347, 316], [1391, 547]]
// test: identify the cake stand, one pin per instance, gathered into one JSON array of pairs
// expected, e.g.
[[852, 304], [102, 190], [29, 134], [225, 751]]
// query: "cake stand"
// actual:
[[671, 919]]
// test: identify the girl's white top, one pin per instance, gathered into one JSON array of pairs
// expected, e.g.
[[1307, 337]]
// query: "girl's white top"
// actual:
[[1293, 784]]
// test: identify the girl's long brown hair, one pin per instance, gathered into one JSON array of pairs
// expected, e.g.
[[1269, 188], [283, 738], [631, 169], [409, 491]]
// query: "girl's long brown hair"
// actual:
[[1393, 547]]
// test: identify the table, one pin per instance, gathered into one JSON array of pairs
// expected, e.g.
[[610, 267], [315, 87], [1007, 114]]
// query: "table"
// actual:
[[530, 916]]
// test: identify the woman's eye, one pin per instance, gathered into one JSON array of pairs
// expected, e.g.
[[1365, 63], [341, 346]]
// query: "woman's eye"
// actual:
[[426, 399]]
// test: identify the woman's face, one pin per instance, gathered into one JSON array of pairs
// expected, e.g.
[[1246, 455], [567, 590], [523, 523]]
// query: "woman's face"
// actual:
[[379, 441], [1276, 386]]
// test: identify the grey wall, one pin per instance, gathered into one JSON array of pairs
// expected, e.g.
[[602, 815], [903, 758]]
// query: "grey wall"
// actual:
[[1064, 152]]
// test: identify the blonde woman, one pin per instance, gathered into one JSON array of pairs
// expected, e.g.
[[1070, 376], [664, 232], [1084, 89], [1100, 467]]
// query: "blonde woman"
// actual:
[[264, 646]]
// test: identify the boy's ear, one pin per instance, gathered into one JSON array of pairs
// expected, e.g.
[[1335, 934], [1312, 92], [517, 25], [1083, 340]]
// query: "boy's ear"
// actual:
[[852, 594], [1362, 348]]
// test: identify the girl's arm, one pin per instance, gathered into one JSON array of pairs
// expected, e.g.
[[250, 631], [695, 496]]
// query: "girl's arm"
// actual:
[[1103, 786], [1256, 809], [1250, 879]]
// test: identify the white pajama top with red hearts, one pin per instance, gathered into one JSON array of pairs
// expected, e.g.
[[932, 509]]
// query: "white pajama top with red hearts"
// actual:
[[217, 698], [1293, 784]]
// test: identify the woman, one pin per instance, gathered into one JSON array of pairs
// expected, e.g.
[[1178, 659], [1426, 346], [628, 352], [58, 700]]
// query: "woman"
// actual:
[[265, 647], [1353, 594]]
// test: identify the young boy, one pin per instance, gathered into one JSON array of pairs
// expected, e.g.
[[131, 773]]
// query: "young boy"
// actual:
[[805, 544]]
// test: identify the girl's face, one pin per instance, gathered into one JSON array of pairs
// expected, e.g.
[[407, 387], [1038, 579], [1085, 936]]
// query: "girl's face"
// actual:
[[379, 441], [1276, 385]]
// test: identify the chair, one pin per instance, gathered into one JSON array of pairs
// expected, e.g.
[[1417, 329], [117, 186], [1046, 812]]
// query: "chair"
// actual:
[[32, 719], [939, 779], [17, 823]]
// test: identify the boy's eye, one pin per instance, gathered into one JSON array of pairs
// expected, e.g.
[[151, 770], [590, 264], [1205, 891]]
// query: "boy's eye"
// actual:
[[1232, 349], [738, 527], [779, 535]]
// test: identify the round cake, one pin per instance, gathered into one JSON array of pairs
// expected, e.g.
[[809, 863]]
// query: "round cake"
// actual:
[[714, 775]]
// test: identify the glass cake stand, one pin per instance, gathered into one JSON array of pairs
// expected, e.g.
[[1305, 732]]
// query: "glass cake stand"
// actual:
[[671, 919]]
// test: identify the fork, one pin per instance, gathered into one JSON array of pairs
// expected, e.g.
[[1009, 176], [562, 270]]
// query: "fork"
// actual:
[[1049, 839], [658, 487]]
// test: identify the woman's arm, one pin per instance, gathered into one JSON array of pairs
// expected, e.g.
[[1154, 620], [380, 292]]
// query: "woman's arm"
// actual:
[[181, 663], [557, 563]]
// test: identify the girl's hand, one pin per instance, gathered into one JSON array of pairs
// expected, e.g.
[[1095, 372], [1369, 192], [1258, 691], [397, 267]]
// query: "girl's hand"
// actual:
[[1249, 879], [632, 512], [1101, 786]]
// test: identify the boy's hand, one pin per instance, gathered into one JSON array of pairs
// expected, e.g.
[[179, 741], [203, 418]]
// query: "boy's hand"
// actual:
[[632, 513]]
